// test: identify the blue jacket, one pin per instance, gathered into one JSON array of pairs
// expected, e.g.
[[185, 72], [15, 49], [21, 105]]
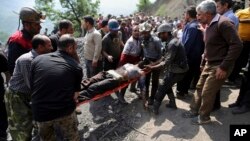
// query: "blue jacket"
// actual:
[[193, 43]]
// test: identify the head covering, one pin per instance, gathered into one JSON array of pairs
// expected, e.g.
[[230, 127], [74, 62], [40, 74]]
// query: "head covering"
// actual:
[[165, 27], [28, 14], [145, 27], [113, 25]]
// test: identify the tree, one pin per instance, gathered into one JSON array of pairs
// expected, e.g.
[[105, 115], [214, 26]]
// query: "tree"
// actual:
[[72, 10], [143, 5]]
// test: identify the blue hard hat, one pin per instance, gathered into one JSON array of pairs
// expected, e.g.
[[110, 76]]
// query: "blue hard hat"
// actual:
[[113, 25]]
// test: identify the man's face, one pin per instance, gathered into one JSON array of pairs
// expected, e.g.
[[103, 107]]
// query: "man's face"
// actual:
[[186, 17], [70, 30], [85, 24], [34, 28], [202, 17], [221, 9], [114, 32], [47, 47], [136, 32], [163, 36], [145, 35]]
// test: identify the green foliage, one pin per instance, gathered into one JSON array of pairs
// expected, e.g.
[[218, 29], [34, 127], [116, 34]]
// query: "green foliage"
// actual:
[[3, 36], [72, 10], [143, 5], [161, 11]]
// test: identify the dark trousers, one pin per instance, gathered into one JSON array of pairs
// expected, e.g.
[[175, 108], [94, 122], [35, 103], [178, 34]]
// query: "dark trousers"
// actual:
[[241, 61], [244, 95], [3, 114], [110, 65], [166, 87], [155, 75], [90, 71], [98, 84], [184, 84]]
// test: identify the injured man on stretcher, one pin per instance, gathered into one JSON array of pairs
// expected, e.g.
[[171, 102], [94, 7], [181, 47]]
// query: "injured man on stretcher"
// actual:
[[108, 80]]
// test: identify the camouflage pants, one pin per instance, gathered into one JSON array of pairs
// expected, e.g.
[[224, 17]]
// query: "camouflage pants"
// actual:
[[19, 115], [67, 126]]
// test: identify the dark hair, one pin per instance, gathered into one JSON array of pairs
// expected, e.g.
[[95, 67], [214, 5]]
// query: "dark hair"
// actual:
[[38, 40], [191, 11], [223, 2], [65, 41], [104, 23], [89, 19], [64, 24]]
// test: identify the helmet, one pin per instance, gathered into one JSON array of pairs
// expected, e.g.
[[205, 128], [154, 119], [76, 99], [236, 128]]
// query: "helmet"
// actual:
[[164, 28], [31, 15], [113, 25], [145, 27]]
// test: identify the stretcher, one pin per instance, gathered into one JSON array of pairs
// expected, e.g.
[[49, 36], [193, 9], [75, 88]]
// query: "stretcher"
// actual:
[[109, 92]]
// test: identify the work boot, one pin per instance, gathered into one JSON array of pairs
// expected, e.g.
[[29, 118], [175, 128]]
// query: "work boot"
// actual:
[[78, 111], [171, 103], [156, 107], [121, 99], [234, 105], [150, 101], [240, 110]]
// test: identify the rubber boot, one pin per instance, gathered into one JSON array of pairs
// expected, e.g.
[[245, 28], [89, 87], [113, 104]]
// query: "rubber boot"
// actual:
[[172, 103]]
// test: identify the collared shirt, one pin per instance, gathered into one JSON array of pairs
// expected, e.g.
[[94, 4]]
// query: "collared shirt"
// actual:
[[215, 19], [20, 80], [152, 48], [55, 77], [230, 14], [132, 47], [93, 45], [222, 43]]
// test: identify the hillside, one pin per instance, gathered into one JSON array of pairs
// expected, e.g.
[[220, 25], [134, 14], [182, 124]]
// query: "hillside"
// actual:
[[171, 8]]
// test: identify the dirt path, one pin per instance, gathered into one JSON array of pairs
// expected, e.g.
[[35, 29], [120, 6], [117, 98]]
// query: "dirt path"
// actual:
[[107, 120]]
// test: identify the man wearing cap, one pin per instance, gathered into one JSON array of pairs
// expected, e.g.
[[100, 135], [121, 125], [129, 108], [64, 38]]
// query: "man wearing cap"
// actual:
[[92, 47], [112, 45], [151, 46], [17, 97], [20, 42], [175, 65]]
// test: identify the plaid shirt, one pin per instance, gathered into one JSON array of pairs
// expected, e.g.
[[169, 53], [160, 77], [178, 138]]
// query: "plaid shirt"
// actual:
[[19, 82]]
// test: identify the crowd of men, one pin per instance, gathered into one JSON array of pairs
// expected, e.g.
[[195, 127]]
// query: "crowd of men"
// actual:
[[209, 46]]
